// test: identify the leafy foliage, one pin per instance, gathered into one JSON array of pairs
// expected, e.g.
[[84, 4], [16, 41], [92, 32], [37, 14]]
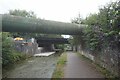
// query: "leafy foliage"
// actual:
[[9, 55], [22, 13], [103, 28]]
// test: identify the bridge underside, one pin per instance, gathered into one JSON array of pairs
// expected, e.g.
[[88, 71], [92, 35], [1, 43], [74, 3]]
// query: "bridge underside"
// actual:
[[44, 41], [48, 44]]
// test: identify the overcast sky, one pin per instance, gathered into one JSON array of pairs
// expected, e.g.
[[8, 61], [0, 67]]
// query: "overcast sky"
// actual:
[[57, 10]]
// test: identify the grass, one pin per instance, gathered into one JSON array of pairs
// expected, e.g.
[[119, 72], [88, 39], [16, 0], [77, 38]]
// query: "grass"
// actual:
[[108, 75], [59, 71]]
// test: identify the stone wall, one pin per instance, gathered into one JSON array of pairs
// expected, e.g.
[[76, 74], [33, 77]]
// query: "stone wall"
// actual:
[[107, 57]]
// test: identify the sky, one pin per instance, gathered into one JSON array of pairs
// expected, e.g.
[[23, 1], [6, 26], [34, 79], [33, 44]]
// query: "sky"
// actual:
[[56, 10]]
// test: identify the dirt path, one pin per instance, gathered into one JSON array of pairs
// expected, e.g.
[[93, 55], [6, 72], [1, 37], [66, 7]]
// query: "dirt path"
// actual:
[[79, 68], [36, 67]]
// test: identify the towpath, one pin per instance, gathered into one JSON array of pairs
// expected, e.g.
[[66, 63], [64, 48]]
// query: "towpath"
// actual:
[[77, 67]]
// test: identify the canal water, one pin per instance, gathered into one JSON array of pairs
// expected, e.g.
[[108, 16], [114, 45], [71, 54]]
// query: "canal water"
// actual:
[[35, 67]]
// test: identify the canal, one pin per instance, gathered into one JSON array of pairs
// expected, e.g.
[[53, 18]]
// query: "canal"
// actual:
[[35, 67]]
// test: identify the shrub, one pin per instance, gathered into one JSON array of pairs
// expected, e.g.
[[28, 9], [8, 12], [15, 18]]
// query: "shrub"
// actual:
[[9, 55]]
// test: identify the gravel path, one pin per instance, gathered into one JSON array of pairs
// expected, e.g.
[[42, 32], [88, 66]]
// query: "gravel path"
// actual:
[[79, 68], [36, 67]]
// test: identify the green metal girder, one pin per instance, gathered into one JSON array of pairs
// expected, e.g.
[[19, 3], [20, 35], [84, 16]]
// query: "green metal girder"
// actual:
[[21, 24]]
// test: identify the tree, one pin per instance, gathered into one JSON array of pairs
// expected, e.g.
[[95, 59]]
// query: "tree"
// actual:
[[103, 27], [22, 13], [78, 19], [92, 19]]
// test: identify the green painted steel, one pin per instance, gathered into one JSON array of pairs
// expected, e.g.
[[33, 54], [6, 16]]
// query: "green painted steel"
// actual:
[[21, 24]]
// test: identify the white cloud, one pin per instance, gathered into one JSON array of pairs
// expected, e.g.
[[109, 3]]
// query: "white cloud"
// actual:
[[58, 10]]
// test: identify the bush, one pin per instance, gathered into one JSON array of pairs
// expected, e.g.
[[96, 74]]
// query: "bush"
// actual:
[[9, 55], [103, 28]]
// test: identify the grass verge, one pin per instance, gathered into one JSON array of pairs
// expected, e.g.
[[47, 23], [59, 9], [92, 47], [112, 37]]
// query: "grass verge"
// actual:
[[59, 71], [108, 75]]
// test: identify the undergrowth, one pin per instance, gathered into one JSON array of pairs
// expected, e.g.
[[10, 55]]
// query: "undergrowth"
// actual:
[[59, 71]]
